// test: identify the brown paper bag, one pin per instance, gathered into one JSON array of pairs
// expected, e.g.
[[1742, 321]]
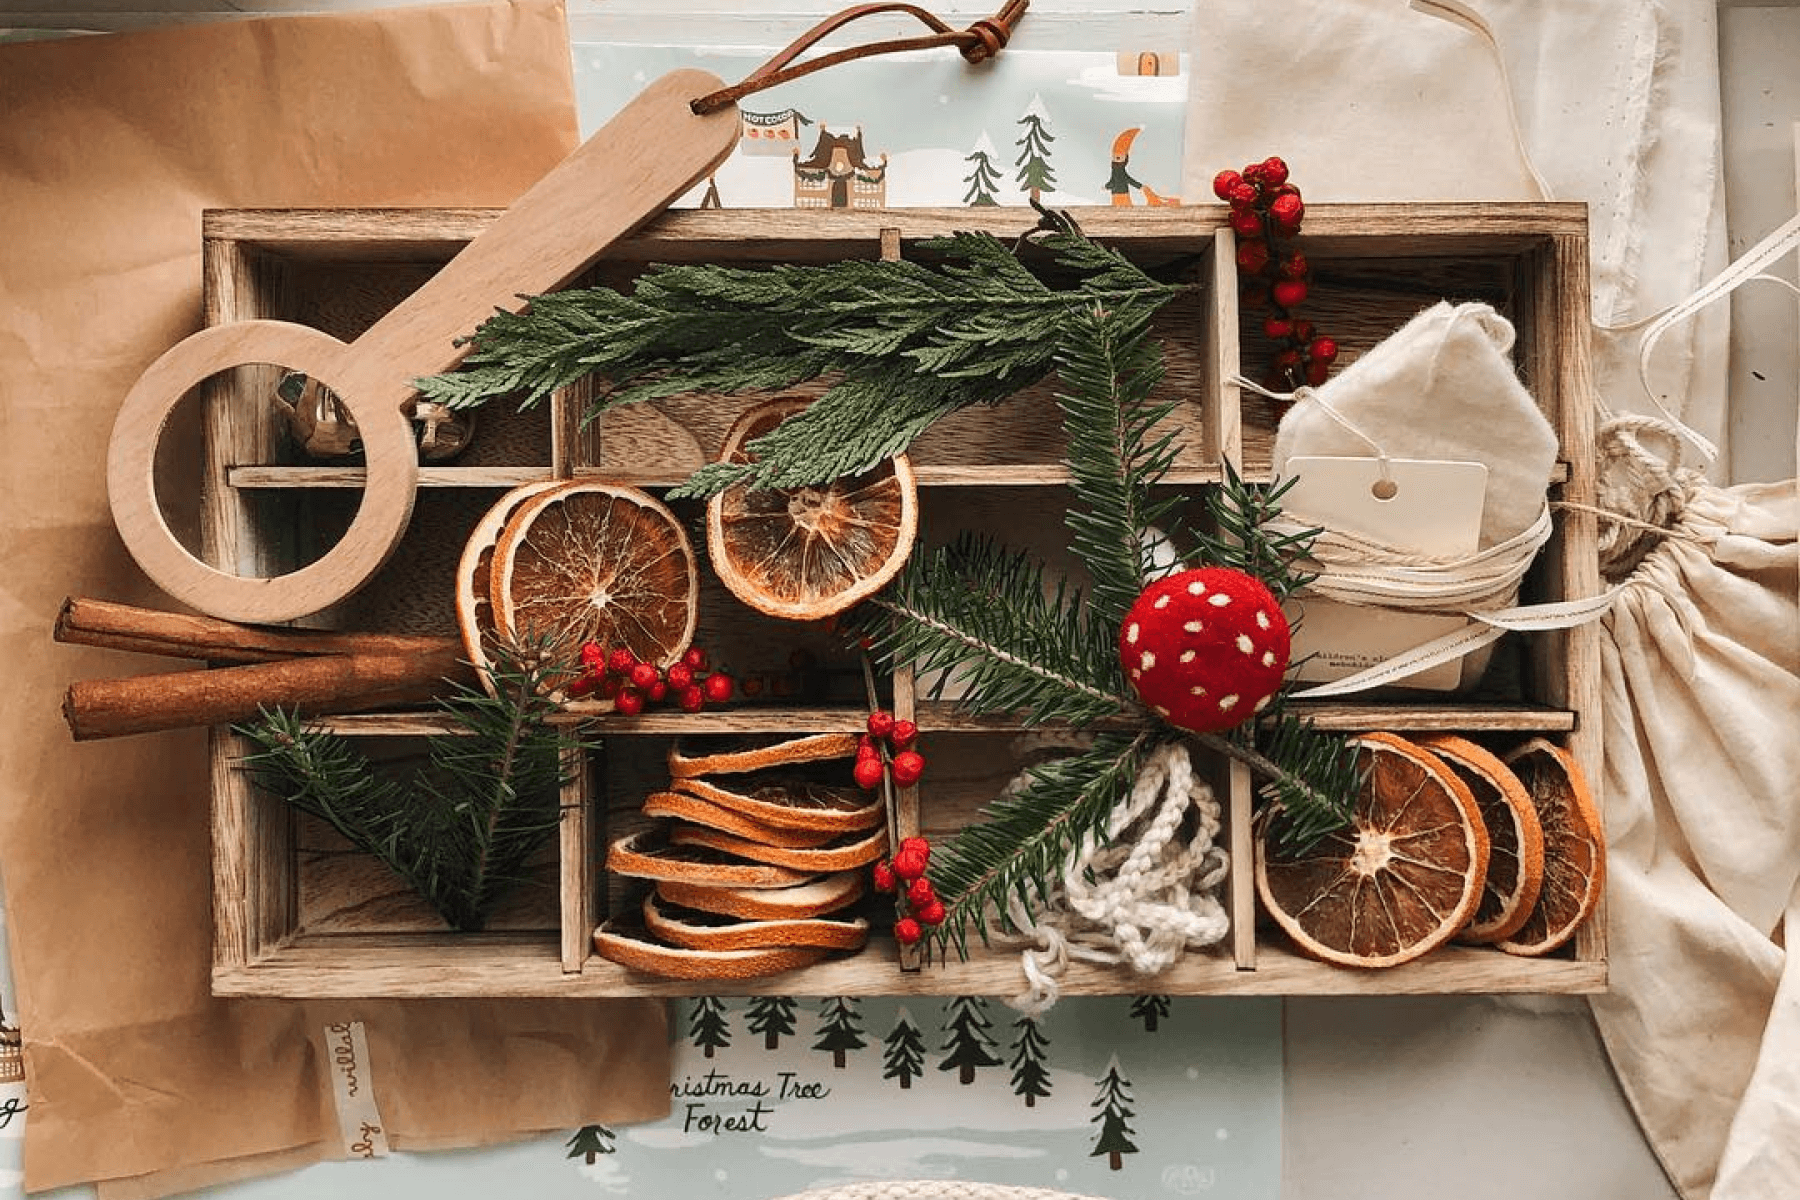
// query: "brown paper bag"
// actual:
[[109, 149]]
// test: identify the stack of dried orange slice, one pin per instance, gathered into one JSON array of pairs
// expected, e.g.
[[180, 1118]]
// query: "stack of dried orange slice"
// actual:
[[751, 866], [573, 562], [1446, 841]]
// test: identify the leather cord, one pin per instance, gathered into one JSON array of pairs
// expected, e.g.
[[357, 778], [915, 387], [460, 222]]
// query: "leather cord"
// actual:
[[978, 43]]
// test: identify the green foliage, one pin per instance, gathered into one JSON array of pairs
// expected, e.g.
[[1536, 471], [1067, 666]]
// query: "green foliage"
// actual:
[[902, 343], [1311, 782], [1241, 539], [1024, 839], [460, 830]]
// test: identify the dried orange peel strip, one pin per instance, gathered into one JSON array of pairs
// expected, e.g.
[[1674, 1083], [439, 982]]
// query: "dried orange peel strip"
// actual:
[[1574, 847]]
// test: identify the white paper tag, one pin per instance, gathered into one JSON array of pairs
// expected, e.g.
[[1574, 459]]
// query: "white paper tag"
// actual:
[[353, 1087], [1424, 506]]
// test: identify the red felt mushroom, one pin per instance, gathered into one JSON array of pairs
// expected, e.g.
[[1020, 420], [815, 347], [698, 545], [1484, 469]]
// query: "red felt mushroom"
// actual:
[[1205, 649]]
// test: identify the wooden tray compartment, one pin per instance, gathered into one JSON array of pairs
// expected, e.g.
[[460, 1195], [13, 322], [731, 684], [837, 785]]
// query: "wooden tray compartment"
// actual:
[[294, 920]]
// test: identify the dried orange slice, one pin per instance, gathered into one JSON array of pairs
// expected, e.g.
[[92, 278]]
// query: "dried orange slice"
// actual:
[[806, 553], [1515, 838], [1574, 847], [474, 577], [635, 949], [1400, 880], [594, 562], [697, 930]]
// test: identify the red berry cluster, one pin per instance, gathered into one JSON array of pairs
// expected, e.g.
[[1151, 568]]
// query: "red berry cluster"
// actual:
[[1266, 210], [617, 675], [888, 747], [905, 877]]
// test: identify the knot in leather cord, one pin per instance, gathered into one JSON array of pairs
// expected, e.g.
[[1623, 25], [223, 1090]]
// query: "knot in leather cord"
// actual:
[[978, 43]]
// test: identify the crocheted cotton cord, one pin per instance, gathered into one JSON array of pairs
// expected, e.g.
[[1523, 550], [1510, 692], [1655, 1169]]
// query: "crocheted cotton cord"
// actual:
[[1141, 894]]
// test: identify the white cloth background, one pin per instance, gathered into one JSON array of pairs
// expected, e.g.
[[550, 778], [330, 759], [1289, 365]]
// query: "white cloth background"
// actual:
[[1617, 104]]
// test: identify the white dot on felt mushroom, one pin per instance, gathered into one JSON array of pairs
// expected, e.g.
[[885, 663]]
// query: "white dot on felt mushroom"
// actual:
[[1219, 600], [1131, 634], [1268, 658], [1262, 704], [1187, 656], [1262, 619], [1162, 601], [1197, 588], [1136, 674], [1147, 661], [1196, 690], [1245, 644], [1193, 627], [1227, 703]]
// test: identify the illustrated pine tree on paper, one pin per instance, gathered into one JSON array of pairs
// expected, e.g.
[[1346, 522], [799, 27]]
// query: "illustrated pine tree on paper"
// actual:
[[591, 1141], [708, 1025], [1150, 1010], [1035, 174], [969, 1044], [1030, 1054], [841, 1031], [1113, 1100], [984, 178], [773, 1017], [903, 1051]]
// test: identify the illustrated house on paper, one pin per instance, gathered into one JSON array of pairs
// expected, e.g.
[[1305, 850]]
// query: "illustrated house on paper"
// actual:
[[838, 174], [770, 133]]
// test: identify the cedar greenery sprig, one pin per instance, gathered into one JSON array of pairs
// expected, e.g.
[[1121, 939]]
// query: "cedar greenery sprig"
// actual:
[[461, 828], [902, 343]]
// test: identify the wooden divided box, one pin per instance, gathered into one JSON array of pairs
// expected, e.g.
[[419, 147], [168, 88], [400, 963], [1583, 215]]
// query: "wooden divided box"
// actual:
[[298, 913]]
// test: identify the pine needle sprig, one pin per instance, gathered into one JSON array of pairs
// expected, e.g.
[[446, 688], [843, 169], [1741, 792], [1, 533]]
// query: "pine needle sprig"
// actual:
[[1025, 839], [462, 827], [1014, 644], [1241, 537], [970, 324], [1108, 367], [1311, 782]]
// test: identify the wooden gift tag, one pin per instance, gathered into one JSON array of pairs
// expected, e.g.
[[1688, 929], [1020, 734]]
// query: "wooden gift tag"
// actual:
[[1424, 506]]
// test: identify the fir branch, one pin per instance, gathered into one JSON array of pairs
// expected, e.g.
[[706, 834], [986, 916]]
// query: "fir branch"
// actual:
[[1108, 367], [1241, 514], [460, 829], [1310, 779], [969, 325], [1026, 839], [1016, 646]]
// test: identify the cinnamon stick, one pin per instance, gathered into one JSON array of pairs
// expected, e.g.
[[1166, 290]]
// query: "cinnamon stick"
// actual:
[[113, 626], [105, 708]]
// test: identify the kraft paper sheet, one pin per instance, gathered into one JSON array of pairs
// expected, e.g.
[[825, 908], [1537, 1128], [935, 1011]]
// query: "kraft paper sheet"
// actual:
[[110, 147]]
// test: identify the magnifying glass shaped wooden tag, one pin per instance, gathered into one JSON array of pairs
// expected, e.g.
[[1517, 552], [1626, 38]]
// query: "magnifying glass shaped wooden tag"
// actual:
[[653, 151]]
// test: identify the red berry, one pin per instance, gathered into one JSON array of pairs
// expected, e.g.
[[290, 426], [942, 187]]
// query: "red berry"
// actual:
[[1303, 330], [920, 893], [695, 658], [1246, 221], [717, 687], [1224, 181], [931, 914], [680, 676], [909, 864], [643, 675], [752, 685], [1274, 171], [1287, 211], [1277, 327], [629, 701], [908, 766], [907, 931], [1244, 195], [866, 745], [885, 879], [904, 734], [1287, 360], [1289, 293], [868, 772], [581, 685], [1252, 257], [690, 699], [919, 844], [1293, 266], [592, 656], [1254, 172], [620, 661], [881, 723], [1317, 371], [1322, 350], [656, 692]]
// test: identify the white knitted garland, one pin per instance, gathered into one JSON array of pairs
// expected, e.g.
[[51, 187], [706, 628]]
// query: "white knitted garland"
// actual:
[[1141, 894]]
